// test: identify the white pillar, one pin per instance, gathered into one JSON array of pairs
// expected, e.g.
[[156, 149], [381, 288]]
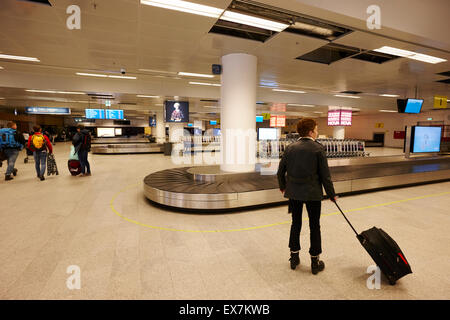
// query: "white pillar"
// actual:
[[339, 132], [238, 112], [175, 132], [160, 128]]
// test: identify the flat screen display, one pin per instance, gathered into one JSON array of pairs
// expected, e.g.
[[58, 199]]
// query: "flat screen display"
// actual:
[[95, 113], [346, 118], [190, 124], [118, 131], [105, 132], [152, 122], [426, 139], [413, 106], [213, 122], [267, 134], [114, 114], [45, 110], [334, 117], [259, 119], [176, 111]]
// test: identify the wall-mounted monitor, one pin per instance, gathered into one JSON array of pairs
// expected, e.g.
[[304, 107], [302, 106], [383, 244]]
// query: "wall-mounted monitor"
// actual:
[[267, 134], [413, 105], [105, 132], [259, 119], [47, 110], [176, 111], [213, 122], [95, 113], [151, 121], [190, 124], [114, 114], [425, 139]]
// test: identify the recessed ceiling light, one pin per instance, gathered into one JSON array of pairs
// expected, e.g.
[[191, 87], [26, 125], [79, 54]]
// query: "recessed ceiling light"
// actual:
[[387, 110], [92, 75], [301, 105], [344, 96], [290, 91], [190, 74], [185, 6], [205, 84], [253, 21], [143, 96], [52, 91], [409, 54], [122, 77], [389, 95], [7, 56]]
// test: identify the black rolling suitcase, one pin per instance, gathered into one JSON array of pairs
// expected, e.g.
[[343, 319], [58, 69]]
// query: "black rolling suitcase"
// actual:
[[384, 251]]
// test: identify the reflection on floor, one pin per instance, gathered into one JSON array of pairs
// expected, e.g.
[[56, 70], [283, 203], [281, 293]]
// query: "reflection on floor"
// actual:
[[48, 226]]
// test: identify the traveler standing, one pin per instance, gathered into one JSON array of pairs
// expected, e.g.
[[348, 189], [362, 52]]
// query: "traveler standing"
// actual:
[[82, 143], [39, 144], [11, 143], [302, 171]]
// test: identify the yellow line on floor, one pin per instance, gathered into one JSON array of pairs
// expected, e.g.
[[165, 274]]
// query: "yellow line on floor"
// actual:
[[263, 226]]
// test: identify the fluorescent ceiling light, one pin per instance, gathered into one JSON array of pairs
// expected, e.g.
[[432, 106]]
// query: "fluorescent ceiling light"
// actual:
[[122, 77], [409, 54], [291, 91], [317, 112], [387, 110], [389, 95], [104, 76], [253, 21], [1, 68], [205, 84], [143, 96], [344, 96], [92, 75], [195, 75], [301, 105], [7, 56], [51, 91], [185, 6]]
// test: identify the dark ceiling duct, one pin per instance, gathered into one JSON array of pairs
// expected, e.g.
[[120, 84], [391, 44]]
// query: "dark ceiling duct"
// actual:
[[39, 1]]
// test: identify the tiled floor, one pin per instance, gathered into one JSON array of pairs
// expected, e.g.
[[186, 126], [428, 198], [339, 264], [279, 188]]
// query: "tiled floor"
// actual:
[[45, 227]]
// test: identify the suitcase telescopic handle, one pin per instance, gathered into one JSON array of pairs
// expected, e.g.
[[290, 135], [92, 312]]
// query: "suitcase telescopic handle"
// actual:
[[346, 218]]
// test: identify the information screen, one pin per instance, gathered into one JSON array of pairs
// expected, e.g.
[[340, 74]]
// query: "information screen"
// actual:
[[413, 106], [105, 132], [346, 117], [426, 139], [212, 122], [152, 121], [259, 119], [114, 114], [177, 111], [334, 117], [95, 113], [267, 133]]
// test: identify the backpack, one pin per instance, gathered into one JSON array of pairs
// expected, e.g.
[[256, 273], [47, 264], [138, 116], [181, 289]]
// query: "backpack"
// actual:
[[7, 139], [86, 142], [38, 142]]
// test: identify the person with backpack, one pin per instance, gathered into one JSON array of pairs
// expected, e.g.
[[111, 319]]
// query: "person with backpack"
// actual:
[[11, 143], [82, 143], [39, 144]]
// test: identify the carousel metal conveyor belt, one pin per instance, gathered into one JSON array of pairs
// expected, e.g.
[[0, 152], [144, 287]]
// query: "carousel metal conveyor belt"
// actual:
[[207, 188], [127, 148]]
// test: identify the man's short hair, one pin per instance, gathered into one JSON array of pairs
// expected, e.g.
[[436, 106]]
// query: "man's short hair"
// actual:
[[80, 126], [10, 124], [36, 128], [304, 126]]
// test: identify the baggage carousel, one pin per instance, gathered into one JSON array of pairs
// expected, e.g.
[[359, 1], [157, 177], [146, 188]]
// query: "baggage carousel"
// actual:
[[207, 188], [125, 146]]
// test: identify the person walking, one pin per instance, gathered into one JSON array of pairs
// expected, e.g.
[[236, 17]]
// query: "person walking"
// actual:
[[12, 142], [82, 143], [302, 172], [40, 144]]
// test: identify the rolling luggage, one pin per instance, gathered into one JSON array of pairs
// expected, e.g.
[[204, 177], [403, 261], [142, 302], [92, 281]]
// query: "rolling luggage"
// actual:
[[74, 167], [384, 251]]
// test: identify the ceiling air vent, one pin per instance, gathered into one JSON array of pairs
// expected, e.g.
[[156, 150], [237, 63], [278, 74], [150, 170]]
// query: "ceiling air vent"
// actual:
[[317, 29], [329, 53], [241, 31], [446, 73], [351, 92], [40, 1], [375, 57], [444, 81]]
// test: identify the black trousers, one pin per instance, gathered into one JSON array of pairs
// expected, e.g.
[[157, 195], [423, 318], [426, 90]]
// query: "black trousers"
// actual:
[[313, 208]]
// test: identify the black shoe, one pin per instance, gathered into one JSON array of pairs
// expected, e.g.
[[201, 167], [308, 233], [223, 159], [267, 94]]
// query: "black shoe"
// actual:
[[15, 172], [42, 178], [295, 260], [8, 177], [316, 265]]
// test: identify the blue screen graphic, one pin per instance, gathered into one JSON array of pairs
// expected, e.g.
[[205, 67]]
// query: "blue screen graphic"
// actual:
[[190, 125], [114, 114], [259, 119], [95, 113], [413, 106], [427, 139], [212, 122]]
